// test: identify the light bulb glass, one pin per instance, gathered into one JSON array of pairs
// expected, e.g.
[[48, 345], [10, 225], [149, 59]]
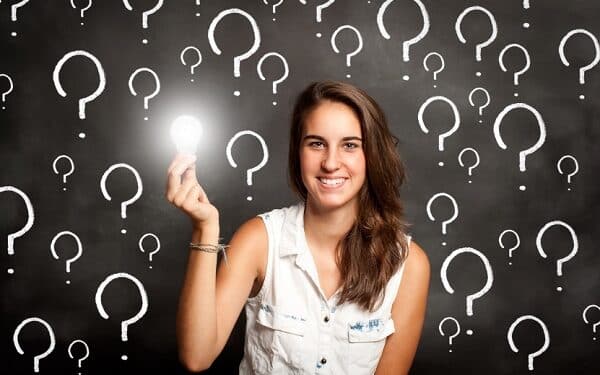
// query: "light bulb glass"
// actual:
[[185, 132]]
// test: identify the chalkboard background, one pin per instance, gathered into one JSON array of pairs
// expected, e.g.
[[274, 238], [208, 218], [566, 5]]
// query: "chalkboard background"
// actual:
[[527, 295]]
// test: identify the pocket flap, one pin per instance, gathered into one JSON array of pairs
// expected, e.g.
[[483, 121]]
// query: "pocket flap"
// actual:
[[370, 330], [273, 317]]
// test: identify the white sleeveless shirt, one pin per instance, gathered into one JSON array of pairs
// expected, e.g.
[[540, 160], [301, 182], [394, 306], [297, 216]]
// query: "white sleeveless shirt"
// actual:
[[291, 328]]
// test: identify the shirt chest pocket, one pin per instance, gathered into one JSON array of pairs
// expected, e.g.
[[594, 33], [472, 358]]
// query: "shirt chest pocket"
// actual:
[[366, 339], [281, 334]]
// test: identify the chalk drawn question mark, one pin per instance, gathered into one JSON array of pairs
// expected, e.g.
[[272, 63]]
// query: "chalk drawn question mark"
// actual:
[[87, 99], [435, 72], [156, 82], [481, 107], [13, 12], [263, 162], [10, 88], [442, 136], [124, 204], [446, 222], [531, 356], [88, 6], [274, 7], [145, 14], [140, 245], [559, 263], [517, 244], [451, 336], [585, 319], [570, 174], [28, 224], [488, 270], [523, 154], [350, 54], [476, 159], [406, 44], [71, 260], [36, 359], [68, 173], [136, 317], [244, 56], [285, 72], [192, 48], [486, 43], [87, 351], [320, 8], [583, 69], [517, 73]]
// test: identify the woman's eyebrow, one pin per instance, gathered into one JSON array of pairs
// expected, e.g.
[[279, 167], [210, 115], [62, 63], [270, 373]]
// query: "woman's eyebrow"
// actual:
[[318, 137]]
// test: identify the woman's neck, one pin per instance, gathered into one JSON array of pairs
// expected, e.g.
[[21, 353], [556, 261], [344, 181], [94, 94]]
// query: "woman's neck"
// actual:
[[324, 229]]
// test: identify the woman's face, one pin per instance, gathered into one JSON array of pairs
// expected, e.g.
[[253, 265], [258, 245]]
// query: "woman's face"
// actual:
[[332, 160]]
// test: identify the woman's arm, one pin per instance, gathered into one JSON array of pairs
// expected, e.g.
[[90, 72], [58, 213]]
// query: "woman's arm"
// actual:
[[408, 313], [210, 302]]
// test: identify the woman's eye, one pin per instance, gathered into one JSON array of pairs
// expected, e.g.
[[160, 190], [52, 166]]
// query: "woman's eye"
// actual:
[[316, 144], [351, 145]]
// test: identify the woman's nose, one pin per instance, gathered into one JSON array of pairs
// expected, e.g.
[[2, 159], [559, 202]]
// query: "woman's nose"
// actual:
[[331, 161]]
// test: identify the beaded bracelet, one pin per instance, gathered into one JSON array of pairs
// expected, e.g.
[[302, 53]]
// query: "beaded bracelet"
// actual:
[[210, 248]]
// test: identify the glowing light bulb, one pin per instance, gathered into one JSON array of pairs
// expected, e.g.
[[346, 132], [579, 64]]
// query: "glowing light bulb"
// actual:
[[186, 132]]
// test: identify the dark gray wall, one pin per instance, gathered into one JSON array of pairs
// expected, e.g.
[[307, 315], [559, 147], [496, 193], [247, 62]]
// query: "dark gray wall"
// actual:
[[37, 125]]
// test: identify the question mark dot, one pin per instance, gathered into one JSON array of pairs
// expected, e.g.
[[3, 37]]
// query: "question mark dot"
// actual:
[[13, 33], [526, 25], [443, 244], [480, 121], [150, 267], [434, 86], [123, 231], [559, 288], [236, 93], [522, 188], [64, 189], [10, 271], [81, 24], [405, 77], [192, 80], [67, 282], [470, 181], [516, 94], [581, 97], [145, 118], [273, 19], [318, 35], [441, 163], [81, 135], [569, 189], [3, 107], [145, 41], [510, 263], [478, 74], [274, 103], [124, 357], [348, 75], [469, 332], [249, 199]]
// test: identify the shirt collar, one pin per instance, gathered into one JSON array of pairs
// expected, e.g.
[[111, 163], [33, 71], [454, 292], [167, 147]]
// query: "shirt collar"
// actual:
[[293, 231]]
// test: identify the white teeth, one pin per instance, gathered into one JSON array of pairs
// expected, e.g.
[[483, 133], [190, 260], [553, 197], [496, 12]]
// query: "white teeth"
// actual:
[[332, 182]]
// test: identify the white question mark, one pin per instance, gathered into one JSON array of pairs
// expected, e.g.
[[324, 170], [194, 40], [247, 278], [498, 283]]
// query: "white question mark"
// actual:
[[572, 173], [87, 351], [585, 319], [83, 9], [199, 57], [247, 54], [153, 251], [583, 69], [540, 121], [487, 95], [323, 6], [435, 72], [486, 43], [356, 51], [156, 81], [256, 168], [476, 159], [69, 261], [101, 75], [136, 317], [274, 5], [488, 270], [285, 67], [145, 14], [517, 244], [454, 216], [10, 88], [36, 359], [451, 336], [531, 356], [449, 132], [405, 45], [538, 243], [30, 218], [68, 173], [127, 202], [527, 61]]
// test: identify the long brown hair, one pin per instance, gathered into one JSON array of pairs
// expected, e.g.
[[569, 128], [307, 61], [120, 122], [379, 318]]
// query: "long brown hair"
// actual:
[[375, 246]]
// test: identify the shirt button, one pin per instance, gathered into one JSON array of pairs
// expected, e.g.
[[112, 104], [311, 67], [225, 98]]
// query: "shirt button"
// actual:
[[326, 319], [323, 360]]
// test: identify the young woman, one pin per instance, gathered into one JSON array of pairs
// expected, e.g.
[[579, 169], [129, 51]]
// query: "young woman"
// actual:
[[330, 285]]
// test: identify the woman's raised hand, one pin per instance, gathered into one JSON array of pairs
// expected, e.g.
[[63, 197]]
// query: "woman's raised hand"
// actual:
[[184, 192]]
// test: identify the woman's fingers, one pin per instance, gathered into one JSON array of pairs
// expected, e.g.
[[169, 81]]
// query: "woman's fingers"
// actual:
[[180, 164]]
